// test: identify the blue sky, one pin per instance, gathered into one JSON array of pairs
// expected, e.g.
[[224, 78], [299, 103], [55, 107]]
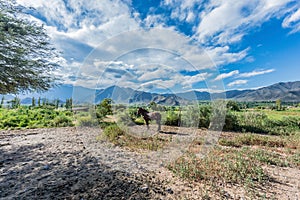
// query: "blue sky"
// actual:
[[173, 45]]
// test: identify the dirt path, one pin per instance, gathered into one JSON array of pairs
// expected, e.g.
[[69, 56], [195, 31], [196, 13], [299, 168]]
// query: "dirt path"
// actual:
[[69, 163]]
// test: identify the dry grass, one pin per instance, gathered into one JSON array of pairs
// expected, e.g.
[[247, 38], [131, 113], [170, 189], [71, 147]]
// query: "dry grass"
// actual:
[[239, 159], [121, 136], [253, 139]]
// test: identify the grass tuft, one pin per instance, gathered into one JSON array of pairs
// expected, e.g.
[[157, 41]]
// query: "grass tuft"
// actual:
[[120, 136]]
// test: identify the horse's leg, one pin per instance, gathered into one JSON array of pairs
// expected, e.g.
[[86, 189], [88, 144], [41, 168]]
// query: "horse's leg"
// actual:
[[158, 123], [147, 123], [158, 120]]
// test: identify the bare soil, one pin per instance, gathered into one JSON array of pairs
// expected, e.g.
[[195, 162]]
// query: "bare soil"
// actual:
[[71, 163]]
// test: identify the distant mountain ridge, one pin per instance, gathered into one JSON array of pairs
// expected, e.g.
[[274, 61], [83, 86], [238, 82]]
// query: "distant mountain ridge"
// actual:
[[286, 91]]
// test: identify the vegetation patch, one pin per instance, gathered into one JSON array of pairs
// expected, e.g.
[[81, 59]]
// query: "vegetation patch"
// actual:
[[87, 121], [267, 157], [120, 136], [220, 165], [253, 139], [25, 117]]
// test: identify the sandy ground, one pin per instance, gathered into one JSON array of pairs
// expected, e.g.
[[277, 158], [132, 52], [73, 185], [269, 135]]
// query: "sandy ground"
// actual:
[[70, 163]]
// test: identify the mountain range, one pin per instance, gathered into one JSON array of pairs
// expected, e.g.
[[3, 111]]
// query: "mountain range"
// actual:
[[286, 91]]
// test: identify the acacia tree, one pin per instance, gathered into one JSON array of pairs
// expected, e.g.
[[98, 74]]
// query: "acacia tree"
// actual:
[[26, 55]]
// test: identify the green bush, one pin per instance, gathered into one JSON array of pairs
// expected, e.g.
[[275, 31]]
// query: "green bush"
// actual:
[[25, 117], [112, 132], [62, 121], [139, 121], [204, 116], [172, 119], [87, 121], [125, 118], [189, 116], [231, 122], [260, 123]]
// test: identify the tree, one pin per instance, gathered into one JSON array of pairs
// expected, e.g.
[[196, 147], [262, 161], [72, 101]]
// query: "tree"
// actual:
[[153, 105], [15, 103], [2, 102], [232, 105], [69, 104], [278, 104], [56, 102], [26, 55], [104, 108], [39, 101], [33, 102]]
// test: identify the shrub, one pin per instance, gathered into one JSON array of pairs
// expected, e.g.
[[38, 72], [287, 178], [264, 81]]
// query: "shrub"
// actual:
[[125, 118], [260, 123], [204, 116], [231, 122], [190, 116], [113, 132], [139, 121], [62, 121], [87, 121], [172, 119]]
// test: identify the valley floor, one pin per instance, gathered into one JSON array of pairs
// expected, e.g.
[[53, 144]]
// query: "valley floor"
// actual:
[[71, 163]]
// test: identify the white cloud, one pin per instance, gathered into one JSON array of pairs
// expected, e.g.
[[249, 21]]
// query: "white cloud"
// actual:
[[159, 73], [256, 73], [182, 10], [223, 20], [120, 41], [222, 56], [89, 21], [292, 21], [226, 75], [189, 80], [148, 58], [237, 82]]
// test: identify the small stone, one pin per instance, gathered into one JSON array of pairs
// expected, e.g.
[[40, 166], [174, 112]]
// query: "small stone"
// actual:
[[169, 190], [46, 167], [144, 188]]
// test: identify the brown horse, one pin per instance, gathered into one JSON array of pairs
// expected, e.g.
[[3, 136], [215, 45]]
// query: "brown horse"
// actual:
[[148, 116]]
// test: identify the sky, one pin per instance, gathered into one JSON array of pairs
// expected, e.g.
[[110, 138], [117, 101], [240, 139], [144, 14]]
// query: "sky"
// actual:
[[173, 45]]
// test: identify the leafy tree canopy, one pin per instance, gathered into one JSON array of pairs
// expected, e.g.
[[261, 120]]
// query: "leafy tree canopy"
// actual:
[[27, 58]]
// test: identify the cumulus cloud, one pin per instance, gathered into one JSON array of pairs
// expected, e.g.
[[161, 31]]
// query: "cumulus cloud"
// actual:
[[256, 73], [116, 44], [89, 21], [224, 22], [182, 10]]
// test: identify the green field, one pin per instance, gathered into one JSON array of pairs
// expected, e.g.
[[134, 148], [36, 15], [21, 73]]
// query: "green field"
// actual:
[[279, 115]]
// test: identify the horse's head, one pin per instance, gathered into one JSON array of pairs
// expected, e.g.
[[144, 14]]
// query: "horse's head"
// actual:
[[141, 111]]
